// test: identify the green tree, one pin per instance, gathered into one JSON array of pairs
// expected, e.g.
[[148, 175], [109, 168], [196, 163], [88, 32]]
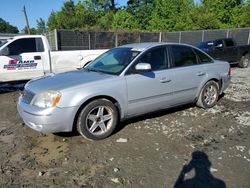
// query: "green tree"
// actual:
[[171, 15], [241, 15], [202, 18], [105, 5], [124, 20], [41, 26], [32, 30], [66, 17], [5, 27], [52, 21], [85, 15], [141, 11], [223, 9]]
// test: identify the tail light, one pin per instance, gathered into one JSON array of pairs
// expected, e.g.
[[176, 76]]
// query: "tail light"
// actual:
[[229, 72]]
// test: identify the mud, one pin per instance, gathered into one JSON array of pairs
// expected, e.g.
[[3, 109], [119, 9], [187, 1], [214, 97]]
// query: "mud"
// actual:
[[155, 150]]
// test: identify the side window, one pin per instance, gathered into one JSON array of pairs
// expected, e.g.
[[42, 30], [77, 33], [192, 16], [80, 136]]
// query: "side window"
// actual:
[[183, 56], [26, 46], [157, 58], [218, 43], [203, 58], [229, 42]]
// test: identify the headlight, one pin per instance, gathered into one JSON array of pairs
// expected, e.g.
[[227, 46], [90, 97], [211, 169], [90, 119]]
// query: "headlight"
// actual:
[[47, 99]]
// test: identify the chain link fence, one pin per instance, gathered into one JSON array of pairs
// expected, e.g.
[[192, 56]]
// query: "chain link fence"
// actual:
[[78, 40]]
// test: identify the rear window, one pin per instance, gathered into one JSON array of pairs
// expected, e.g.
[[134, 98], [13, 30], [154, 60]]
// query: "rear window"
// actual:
[[203, 58], [229, 42]]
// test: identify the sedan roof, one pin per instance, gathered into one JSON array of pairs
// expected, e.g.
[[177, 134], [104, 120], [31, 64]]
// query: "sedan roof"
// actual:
[[146, 45]]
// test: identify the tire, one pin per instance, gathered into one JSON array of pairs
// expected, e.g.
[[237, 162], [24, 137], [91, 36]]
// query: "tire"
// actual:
[[244, 62], [97, 120], [209, 95]]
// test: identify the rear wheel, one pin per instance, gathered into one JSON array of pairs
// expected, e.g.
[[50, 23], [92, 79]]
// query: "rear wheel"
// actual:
[[97, 120], [245, 60], [209, 95]]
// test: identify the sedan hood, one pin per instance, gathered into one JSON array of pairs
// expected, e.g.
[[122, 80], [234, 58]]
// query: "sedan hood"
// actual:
[[64, 80]]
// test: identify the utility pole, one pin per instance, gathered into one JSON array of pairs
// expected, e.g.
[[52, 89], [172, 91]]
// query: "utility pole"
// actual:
[[26, 19]]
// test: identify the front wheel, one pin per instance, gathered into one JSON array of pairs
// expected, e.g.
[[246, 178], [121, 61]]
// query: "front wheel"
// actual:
[[244, 62], [97, 120], [209, 95]]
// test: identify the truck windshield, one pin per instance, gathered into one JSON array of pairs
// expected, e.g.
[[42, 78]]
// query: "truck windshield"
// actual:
[[113, 61]]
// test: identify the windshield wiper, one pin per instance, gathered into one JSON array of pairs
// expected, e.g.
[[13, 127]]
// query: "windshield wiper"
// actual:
[[93, 70]]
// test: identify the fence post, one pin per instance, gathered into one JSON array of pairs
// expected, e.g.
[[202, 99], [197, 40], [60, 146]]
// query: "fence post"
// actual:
[[202, 36], [227, 33], [89, 40], [56, 39], [248, 37], [50, 40], [139, 37], [180, 37], [160, 37], [116, 39]]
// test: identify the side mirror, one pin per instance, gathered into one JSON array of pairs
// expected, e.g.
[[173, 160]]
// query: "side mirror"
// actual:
[[219, 46], [5, 51], [143, 67]]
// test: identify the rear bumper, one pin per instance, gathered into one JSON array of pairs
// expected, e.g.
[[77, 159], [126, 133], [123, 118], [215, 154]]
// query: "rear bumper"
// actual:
[[225, 83], [47, 120]]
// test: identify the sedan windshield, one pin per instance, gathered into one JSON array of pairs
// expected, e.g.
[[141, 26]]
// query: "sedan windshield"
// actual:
[[2, 42], [113, 61]]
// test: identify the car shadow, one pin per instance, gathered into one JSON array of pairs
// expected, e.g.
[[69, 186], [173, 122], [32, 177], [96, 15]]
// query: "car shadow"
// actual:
[[129, 121], [12, 86], [202, 178], [135, 119], [151, 115]]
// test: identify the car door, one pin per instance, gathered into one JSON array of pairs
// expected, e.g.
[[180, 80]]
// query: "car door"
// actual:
[[149, 91], [230, 51], [24, 59], [219, 50], [188, 75]]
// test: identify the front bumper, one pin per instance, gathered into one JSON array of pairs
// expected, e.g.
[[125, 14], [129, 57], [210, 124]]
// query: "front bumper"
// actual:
[[47, 120]]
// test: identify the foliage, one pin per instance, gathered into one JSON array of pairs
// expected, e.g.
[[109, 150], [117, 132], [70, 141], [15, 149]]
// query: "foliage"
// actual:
[[124, 20], [41, 26], [33, 30], [151, 15], [5, 27]]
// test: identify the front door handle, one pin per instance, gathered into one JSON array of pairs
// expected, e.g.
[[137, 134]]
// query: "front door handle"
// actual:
[[165, 80], [37, 57], [200, 73]]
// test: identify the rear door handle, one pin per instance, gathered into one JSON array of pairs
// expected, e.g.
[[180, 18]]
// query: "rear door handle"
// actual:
[[37, 57], [200, 73], [165, 80]]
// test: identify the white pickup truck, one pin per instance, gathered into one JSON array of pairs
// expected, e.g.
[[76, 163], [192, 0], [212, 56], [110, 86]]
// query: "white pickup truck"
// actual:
[[29, 56]]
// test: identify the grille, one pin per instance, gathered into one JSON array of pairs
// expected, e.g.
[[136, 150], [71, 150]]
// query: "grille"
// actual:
[[27, 96]]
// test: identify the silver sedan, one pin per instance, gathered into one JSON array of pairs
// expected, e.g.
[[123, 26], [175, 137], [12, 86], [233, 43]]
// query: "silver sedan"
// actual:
[[124, 82]]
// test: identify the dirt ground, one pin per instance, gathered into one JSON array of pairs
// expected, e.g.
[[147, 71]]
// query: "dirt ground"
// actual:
[[211, 146]]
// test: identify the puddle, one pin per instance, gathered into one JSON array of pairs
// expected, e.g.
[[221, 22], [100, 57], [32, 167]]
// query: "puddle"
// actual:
[[48, 149]]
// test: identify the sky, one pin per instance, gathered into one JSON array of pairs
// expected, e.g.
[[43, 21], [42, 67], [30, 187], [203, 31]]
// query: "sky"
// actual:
[[11, 10]]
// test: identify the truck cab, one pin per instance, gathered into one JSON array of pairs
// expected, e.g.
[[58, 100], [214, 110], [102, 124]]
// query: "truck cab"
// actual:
[[28, 56], [227, 50], [24, 57]]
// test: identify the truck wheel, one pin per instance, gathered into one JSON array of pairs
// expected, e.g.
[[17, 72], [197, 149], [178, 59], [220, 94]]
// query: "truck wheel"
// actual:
[[209, 95], [244, 62], [97, 120]]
